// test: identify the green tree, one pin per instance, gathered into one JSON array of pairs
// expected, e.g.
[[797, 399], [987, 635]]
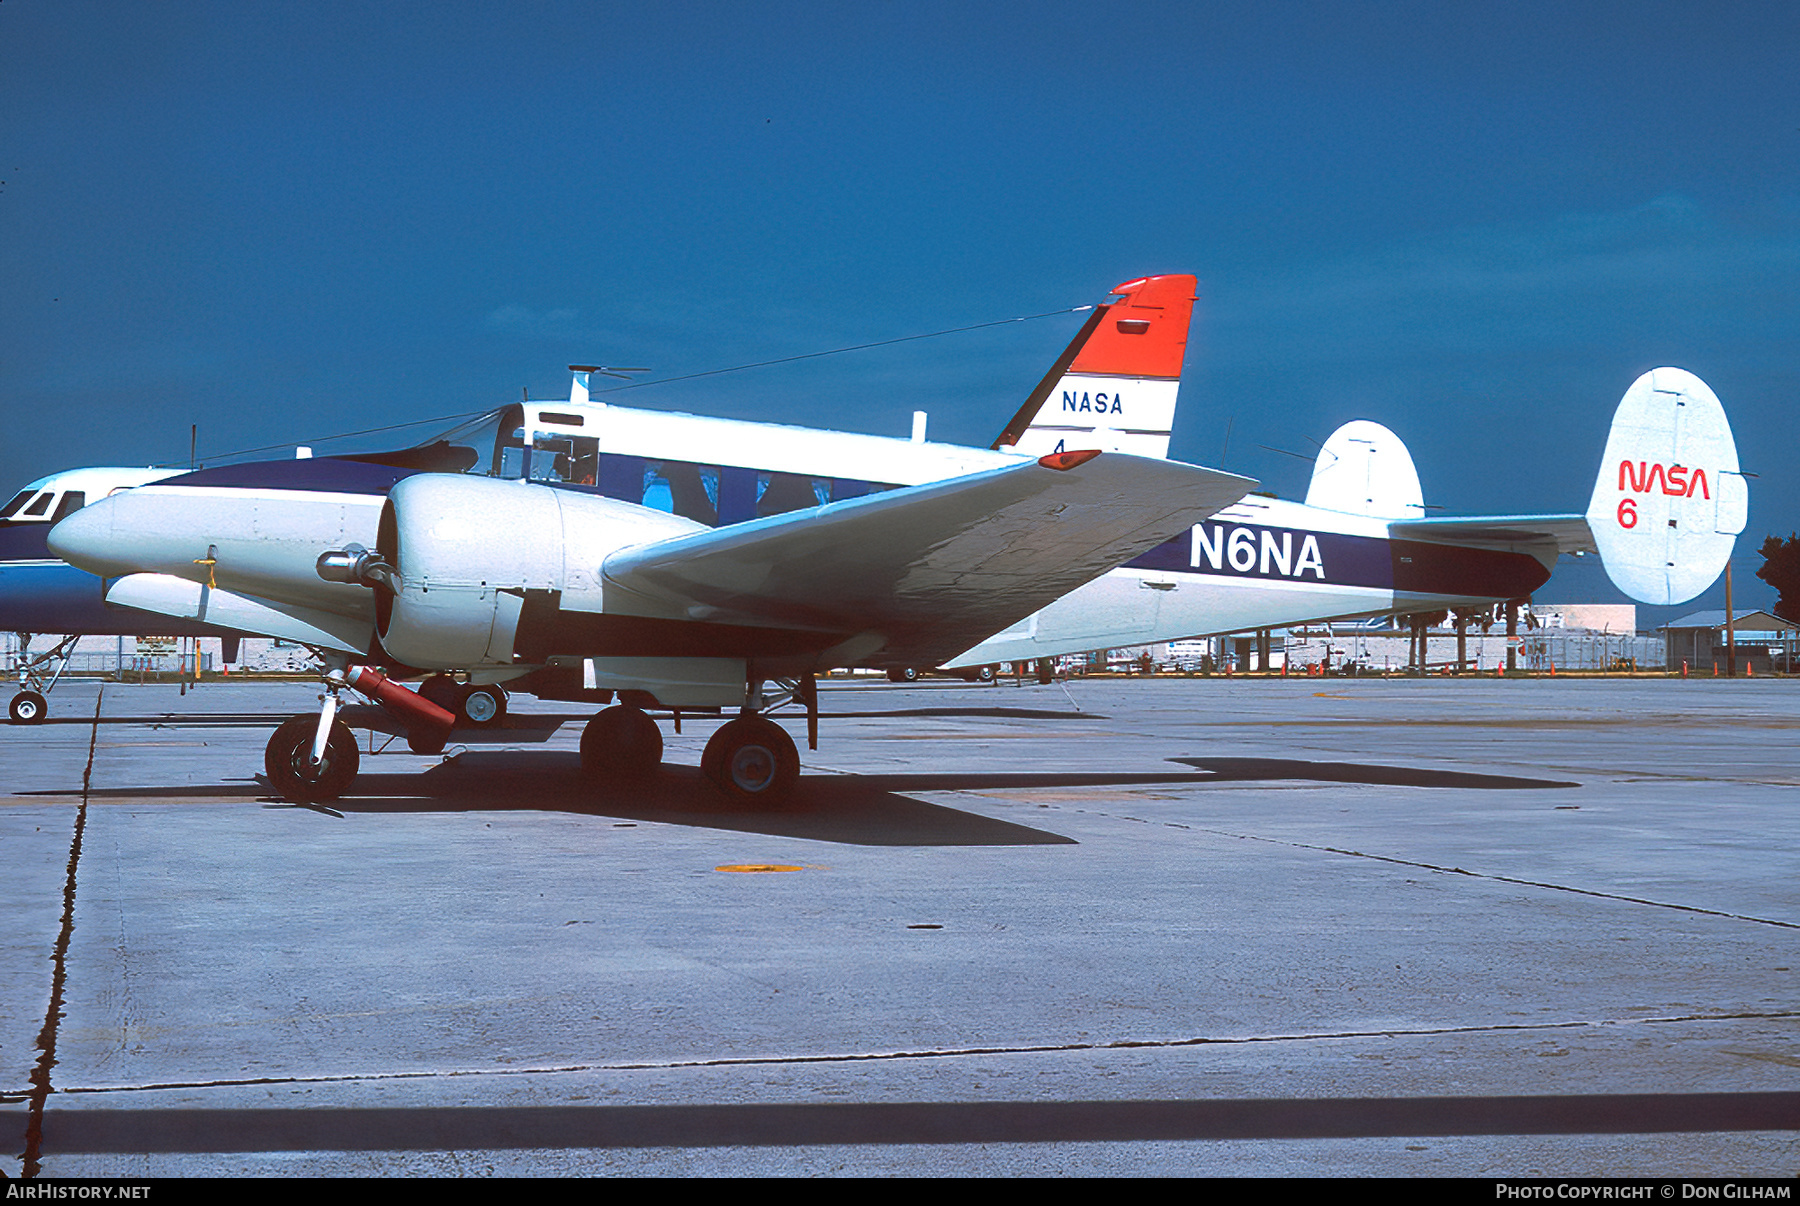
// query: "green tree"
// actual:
[[1781, 569]]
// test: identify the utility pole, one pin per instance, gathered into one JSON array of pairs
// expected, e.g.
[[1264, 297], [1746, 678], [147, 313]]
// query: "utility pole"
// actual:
[[1730, 631]]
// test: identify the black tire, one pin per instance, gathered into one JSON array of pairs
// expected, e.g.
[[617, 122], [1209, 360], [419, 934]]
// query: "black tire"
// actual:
[[483, 707], [753, 760], [986, 674], [288, 759], [28, 707], [621, 743], [443, 691]]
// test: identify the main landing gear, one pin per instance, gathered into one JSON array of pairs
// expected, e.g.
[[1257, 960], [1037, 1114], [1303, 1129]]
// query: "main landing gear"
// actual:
[[750, 758], [622, 742]]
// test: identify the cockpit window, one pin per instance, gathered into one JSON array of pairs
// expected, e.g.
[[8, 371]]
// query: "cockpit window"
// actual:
[[71, 502], [18, 500], [41, 505]]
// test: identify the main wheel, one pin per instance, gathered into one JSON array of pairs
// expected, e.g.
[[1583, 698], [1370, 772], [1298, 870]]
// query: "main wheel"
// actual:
[[483, 707], [28, 707], [753, 760], [288, 759], [443, 691], [909, 674], [621, 742]]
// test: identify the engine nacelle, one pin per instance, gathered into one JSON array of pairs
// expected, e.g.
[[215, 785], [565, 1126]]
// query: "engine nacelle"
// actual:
[[466, 549]]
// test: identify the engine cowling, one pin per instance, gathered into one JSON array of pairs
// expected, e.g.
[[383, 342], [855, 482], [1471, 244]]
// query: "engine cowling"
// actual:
[[465, 550]]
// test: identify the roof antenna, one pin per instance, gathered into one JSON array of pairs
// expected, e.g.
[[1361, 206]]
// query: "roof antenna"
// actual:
[[578, 390]]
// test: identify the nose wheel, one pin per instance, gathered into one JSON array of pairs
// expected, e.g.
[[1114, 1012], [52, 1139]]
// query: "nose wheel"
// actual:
[[752, 760], [621, 743], [289, 760], [28, 707]]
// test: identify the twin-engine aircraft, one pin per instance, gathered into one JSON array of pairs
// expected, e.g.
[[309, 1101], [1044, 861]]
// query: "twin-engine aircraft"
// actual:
[[1113, 388], [767, 554], [479, 594]]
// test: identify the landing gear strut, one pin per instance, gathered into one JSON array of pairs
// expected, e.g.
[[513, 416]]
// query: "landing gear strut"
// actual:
[[314, 758]]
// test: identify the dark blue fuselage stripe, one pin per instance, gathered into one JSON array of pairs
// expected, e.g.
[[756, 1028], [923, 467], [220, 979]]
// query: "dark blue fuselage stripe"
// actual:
[[1367, 562]]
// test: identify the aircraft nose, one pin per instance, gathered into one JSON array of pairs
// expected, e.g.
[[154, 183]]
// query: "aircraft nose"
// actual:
[[85, 539]]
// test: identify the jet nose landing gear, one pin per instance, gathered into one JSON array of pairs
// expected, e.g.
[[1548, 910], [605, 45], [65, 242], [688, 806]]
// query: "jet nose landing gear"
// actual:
[[28, 707]]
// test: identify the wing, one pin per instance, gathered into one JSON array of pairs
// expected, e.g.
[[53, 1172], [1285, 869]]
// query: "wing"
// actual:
[[916, 576], [1541, 536]]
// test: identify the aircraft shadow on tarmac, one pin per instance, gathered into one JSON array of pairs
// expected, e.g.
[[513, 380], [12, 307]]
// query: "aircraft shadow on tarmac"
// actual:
[[869, 810], [1250, 769], [853, 809]]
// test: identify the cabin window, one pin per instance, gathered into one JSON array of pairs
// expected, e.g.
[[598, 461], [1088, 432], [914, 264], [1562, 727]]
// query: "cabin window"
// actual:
[[18, 501], [573, 459], [657, 495], [41, 505], [784, 492]]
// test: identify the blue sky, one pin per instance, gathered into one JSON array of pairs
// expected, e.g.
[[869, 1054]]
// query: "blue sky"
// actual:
[[1474, 223]]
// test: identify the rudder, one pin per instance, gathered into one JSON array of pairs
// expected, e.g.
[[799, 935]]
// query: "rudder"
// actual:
[[1114, 387]]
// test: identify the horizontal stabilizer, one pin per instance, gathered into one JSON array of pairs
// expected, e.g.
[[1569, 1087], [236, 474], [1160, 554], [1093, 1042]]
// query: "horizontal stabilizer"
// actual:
[[915, 576], [167, 595], [1542, 536]]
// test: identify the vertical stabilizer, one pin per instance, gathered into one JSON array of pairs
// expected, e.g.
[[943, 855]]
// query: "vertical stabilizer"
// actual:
[[1365, 469], [1114, 386], [1669, 502]]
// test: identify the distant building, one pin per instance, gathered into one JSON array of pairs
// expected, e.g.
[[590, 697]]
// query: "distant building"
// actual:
[[1765, 642]]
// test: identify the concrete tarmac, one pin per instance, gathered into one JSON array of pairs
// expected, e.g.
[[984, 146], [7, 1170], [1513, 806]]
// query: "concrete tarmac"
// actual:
[[1191, 927]]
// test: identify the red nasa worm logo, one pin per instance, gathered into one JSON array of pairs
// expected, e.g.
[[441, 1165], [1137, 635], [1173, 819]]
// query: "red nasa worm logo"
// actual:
[[1643, 477]]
